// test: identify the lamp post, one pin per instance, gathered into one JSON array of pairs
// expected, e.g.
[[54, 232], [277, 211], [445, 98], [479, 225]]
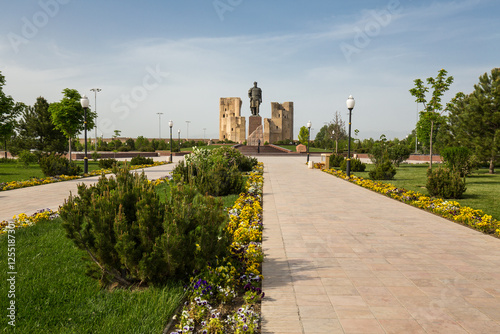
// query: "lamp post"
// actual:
[[179, 140], [85, 105], [159, 124], [308, 138], [170, 124], [333, 138], [350, 105], [95, 90], [187, 132]]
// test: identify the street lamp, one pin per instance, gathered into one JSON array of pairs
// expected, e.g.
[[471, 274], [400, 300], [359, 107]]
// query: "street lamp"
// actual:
[[350, 105], [170, 124], [85, 105], [336, 143], [179, 141], [95, 90], [187, 132], [308, 138], [159, 123]]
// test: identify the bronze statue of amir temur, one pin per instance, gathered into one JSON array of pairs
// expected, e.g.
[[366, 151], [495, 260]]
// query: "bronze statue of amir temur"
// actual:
[[255, 95]]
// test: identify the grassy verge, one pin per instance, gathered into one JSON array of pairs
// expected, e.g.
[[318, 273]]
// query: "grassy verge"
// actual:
[[53, 295], [483, 190], [16, 171]]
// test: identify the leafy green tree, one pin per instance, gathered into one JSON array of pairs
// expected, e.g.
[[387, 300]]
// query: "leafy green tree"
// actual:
[[36, 130], [7, 114], [475, 118], [303, 135], [68, 115], [433, 108]]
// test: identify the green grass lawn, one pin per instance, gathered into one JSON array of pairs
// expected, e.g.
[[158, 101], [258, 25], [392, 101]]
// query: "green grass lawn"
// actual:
[[483, 189], [16, 171], [53, 294]]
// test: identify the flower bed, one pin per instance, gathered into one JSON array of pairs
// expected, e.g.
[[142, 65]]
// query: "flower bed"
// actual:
[[23, 220], [452, 210], [59, 178], [225, 298]]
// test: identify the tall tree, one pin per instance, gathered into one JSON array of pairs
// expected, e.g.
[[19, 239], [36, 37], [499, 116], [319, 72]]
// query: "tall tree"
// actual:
[[303, 135], [68, 115], [475, 118], [337, 128], [8, 114], [433, 109], [37, 131]]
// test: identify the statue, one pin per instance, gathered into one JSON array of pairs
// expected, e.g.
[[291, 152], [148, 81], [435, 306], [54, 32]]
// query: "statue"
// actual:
[[255, 95]]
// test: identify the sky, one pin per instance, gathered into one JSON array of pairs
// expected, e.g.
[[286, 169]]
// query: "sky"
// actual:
[[179, 57]]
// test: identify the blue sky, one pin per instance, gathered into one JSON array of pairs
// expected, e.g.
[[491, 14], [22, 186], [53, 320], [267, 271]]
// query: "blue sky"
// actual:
[[180, 57]]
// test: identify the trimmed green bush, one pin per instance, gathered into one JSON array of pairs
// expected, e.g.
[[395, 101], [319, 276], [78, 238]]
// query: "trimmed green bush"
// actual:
[[131, 238], [215, 172], [52, 165], [459, 158], [445, 183], [336, 160], [107, 163], [138, 160], [356, 165], [383, 171], [26, 157]]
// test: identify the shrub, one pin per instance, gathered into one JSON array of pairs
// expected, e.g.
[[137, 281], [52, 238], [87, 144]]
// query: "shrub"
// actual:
[[216, 172], [356, 165], [383, 171], [26, 157], [95, 156], [138, 160], [107, 163], [445, 183], [459, 158], [52, 165], [336, 160], [398, 153], [130, 237]]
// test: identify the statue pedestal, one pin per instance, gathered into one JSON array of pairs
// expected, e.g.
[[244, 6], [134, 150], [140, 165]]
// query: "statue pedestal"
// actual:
[[255, 132]]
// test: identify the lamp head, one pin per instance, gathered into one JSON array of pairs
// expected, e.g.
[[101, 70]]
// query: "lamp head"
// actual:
[[170, 124], [350, 102], [84, 102], [309, 124]]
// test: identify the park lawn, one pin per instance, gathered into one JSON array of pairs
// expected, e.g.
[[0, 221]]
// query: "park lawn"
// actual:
[[483, 189], [53, 294], [16, 171]]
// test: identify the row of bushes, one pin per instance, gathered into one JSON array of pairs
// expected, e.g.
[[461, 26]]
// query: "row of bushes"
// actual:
[[443, 182]]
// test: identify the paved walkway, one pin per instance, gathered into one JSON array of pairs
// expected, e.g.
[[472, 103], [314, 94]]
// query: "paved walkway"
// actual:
[[343, 259], [51, 196]]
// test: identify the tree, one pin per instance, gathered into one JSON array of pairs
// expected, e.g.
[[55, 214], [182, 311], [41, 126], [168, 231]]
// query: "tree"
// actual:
[[304, 135], [432, 109], [68, 115], [475, 118], [36, 130], [338, 130], [7, 114]]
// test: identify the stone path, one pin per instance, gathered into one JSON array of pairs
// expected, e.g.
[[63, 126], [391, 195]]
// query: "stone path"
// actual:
[[343, 259]]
